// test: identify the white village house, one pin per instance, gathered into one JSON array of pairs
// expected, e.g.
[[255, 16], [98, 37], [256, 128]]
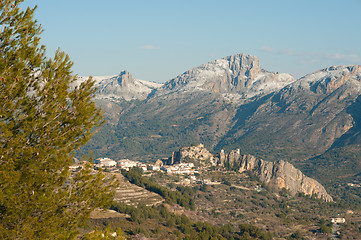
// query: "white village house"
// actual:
[[127, 164], [181, 168], [105, 162], [338, 220]]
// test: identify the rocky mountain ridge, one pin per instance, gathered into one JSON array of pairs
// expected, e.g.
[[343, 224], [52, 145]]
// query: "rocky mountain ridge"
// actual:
[[238, 77], [280, 174], [125, 86], [121, 87], [312, 113], [115, 92]]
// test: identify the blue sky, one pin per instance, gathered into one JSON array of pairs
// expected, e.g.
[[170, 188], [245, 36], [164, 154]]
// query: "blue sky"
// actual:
[[156, 40]]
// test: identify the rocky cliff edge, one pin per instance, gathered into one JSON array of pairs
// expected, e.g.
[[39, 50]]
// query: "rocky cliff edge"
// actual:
[[280, 174]]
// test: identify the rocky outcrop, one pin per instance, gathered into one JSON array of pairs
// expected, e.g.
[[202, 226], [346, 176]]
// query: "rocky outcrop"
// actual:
[[280, 174], [159, 163], [193, 153], [332, 78]]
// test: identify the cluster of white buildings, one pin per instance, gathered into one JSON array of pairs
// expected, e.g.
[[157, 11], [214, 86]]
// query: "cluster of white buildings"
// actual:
[[107, 163], [128, 164], [121, 164], [181, 168]]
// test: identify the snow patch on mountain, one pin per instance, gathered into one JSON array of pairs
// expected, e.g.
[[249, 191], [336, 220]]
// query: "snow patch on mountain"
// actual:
[[121, 87], [333, 71], [235, 77], [331, 78]]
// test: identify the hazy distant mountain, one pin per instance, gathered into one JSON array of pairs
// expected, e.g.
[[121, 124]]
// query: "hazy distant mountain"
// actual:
[[232, 103]]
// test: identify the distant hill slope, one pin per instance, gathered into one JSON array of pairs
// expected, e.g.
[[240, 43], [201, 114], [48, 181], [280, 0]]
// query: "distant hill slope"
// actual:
[[232, 103]]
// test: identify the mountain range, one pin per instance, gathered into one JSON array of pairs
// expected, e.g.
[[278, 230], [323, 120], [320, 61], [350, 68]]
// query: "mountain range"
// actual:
[[312, 122]]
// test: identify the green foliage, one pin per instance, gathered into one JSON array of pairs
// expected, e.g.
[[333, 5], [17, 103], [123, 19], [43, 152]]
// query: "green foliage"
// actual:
[[226, 182], [284, 192], [296, 235], [189, 229], [138, 170], [325, 226], [253, 231], [42, 122]]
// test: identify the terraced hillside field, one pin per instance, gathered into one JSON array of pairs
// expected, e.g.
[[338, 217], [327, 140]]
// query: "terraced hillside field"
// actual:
[[133, 195]]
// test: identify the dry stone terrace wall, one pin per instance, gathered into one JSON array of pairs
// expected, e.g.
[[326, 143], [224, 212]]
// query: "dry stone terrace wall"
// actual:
[[133, 195]]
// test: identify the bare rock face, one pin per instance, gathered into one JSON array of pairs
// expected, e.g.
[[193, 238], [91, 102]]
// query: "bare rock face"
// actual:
[[239, 74], [234, 157], [159, 163], [120, 87], [126, 87], [115, 92], [281, 174], [334, 77], [197, 153], [317, 113]]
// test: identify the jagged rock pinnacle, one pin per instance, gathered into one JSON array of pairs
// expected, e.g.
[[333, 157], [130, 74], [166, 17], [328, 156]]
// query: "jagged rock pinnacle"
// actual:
[[239, 74]]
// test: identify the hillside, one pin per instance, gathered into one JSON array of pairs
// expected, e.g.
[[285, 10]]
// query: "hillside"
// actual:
[[239, 203]]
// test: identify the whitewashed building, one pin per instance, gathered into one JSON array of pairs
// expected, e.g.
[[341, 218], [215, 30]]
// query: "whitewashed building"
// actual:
[[338, 220], [105, 163], [128, 164], [181, 168]]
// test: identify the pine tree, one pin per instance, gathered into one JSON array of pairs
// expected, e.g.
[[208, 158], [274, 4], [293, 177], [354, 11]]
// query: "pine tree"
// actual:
[[42, 123]]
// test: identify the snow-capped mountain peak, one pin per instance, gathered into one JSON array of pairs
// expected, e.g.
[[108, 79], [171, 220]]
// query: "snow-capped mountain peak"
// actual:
[[239, 75], [122, 87]]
